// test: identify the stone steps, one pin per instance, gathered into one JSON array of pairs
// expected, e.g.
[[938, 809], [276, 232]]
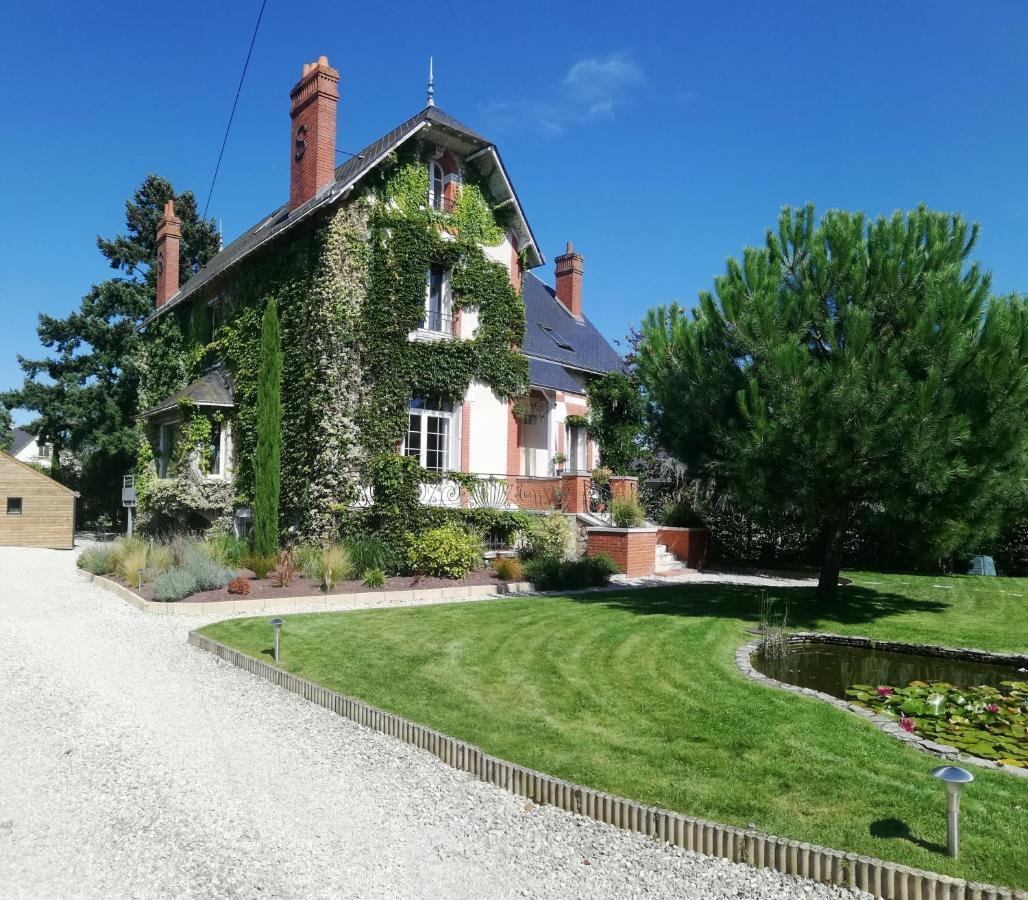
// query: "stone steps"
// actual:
[[667, 563]]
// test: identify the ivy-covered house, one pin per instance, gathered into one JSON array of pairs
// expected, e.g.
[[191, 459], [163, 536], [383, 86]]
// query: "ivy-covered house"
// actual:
[[412, 325]]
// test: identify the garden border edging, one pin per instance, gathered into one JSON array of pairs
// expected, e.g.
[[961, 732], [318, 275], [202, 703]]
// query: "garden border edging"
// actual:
[[287, 604], [743, 659], [890, 881]]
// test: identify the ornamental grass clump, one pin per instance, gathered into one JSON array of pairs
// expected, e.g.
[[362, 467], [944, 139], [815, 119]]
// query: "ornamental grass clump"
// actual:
[[260, 564], [982, 721], [96, 560], [131, 559], [368, 552], [447, 551], [374, 578], [227, 549], [334, 565], [627, 512], [508, 569]]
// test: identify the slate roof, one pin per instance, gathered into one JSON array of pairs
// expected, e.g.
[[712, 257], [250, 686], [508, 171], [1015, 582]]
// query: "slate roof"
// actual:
[[213, 388], [21, 440], [346, 176], [553, 375], [590, 351]]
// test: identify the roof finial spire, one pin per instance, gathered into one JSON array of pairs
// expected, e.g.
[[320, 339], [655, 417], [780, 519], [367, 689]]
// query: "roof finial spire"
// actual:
[[431, 84]]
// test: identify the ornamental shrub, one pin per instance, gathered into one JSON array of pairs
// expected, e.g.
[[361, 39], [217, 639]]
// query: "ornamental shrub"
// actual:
[[548, 574], [96, 560], [374, 578], [268, 458], [546, 537], [445, 552], [198, 572], [627, 512], [173, 585], [239, 585]]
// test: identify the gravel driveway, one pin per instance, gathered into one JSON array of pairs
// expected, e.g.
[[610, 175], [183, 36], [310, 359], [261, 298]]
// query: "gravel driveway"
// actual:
[[136, 766]]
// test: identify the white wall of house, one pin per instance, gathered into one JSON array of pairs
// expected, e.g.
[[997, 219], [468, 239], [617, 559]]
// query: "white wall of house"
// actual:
[[489, 420], [33, 453]]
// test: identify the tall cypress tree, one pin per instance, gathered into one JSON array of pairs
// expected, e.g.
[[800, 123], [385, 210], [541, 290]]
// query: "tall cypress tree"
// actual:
[[267, 461]]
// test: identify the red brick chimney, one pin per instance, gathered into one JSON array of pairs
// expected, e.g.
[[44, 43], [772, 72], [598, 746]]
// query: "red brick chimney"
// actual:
[[569, 280], [312, 149], [169, 236]]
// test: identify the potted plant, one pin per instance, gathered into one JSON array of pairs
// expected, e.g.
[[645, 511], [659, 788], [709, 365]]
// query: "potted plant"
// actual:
[[559, 461]]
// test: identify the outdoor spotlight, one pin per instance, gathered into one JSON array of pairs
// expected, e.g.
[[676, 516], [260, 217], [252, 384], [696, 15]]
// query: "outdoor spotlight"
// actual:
[[955, 778], [278, 632]]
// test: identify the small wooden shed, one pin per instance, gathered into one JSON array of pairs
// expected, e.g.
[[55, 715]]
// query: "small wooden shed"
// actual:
[[35, 511]]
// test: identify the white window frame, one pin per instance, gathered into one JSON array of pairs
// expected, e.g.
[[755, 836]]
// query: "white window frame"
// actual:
[[424, 412], [444, 316], [436, 198], [577, 462], [164, 447]]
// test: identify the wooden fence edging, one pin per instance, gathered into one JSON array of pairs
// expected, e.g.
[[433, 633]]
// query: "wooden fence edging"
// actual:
[[890, 881]]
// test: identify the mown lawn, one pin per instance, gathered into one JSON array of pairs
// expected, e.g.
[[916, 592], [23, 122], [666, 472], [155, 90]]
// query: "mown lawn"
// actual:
[[637, 693]]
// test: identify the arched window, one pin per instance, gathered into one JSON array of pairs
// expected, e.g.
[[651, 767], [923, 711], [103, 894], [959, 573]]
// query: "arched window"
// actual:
[[435, 185]]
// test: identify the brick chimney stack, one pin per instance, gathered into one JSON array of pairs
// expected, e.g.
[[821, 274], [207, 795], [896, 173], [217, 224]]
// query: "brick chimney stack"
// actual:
[[569, 280], [312, 150], [169, 236]]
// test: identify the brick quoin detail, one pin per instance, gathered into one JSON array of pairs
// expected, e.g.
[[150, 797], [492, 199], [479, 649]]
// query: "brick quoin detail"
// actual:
[[515, 265], [624, 487], [635, 552], [312, 144], [465, 437], [513, 435], [169, 237]]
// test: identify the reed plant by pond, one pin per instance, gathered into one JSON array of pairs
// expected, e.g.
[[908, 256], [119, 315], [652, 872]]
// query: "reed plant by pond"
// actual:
[[636, 692]]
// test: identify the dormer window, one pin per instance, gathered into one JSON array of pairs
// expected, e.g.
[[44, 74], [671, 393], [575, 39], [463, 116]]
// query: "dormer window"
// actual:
[[436, 185], [438, 305]]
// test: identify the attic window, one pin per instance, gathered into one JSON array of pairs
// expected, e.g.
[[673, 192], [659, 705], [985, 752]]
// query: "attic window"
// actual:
[[556, 337]]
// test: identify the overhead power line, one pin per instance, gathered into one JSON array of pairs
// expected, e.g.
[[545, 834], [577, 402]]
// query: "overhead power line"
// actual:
[[235, 103]]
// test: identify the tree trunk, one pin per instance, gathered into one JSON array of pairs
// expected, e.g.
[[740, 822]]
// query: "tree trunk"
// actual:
[[831, 563]]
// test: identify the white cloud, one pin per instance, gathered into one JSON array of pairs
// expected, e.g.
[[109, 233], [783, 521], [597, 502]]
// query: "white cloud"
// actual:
[[593, 89]]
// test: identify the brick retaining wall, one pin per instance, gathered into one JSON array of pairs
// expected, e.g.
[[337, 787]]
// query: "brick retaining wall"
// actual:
[[633, 549]]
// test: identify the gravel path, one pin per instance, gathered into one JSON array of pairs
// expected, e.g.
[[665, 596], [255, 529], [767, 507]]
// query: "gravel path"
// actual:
[[136, 766]]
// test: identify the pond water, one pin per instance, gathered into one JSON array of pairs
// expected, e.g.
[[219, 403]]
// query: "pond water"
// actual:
[[832, 668]]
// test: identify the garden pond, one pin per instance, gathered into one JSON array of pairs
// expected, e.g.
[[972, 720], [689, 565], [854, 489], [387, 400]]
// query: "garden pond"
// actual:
[[979, 707]]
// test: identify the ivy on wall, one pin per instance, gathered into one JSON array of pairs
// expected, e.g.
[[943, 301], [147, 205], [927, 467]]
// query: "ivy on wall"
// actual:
[[350, 287]]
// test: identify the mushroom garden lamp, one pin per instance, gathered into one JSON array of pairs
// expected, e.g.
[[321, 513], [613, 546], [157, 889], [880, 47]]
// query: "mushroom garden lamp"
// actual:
[[954, 777], [278, 632]]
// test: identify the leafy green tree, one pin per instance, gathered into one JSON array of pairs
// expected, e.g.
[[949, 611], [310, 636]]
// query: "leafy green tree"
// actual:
[[617, 420], [85, 392], [851, 369], [268, 458], [6, 429]]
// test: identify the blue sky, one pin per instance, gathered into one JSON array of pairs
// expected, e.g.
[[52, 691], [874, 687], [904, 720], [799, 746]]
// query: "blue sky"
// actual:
[[660, 138]]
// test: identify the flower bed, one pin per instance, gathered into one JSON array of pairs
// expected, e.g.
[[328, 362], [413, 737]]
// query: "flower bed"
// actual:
[[305, 587]]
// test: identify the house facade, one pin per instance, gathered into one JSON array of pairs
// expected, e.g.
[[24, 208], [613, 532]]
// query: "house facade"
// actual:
[[27, 449], [413, 323]]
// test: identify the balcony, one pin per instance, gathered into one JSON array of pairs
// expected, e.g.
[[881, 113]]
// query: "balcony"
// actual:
[[437, 322]]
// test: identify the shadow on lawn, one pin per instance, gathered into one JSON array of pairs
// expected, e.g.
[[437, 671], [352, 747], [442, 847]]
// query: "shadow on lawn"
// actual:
[[854, 605], [897, 828]]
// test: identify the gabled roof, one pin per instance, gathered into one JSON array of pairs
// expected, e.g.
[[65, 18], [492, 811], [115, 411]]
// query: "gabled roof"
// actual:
[[542, 373], [346, 176], [212, 389], [554, 335], [37, 473], [21, 440]]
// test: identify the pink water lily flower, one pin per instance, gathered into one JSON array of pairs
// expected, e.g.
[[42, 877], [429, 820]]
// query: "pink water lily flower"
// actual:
[[907, 724], [992, 707], [885, 691]]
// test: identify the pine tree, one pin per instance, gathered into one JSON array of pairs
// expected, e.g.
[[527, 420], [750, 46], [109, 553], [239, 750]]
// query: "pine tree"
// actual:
[[267, 460], [851, 371], [86, 392], [6, 429]]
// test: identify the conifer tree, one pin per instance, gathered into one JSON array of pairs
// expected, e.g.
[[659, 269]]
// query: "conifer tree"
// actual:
[[85, 392], [851, 370], [267, 460]]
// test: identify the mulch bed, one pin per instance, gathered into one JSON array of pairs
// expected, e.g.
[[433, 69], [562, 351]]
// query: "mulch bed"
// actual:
[[304, 587]]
